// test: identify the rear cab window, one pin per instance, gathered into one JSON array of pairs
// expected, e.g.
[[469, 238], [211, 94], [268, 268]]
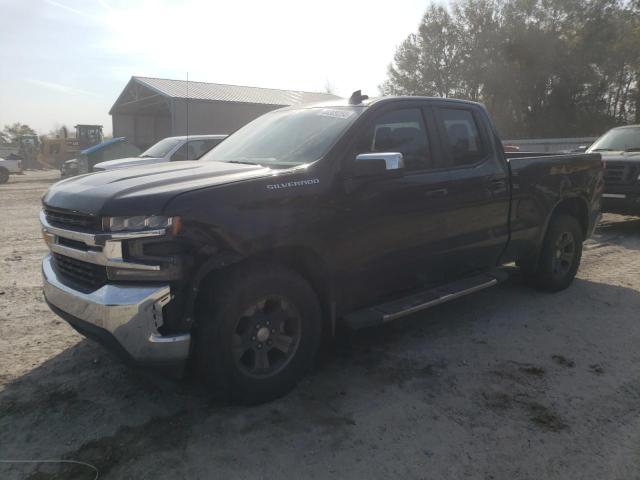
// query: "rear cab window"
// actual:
[[462, 141]]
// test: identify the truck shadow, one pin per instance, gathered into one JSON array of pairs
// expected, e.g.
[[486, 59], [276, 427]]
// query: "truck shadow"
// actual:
[[85, 405]]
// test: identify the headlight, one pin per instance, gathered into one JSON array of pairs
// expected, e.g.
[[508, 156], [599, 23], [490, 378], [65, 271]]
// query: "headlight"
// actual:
[[139, 223]]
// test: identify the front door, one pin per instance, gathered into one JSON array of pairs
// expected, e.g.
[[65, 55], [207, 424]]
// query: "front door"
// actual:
[[392, 226]]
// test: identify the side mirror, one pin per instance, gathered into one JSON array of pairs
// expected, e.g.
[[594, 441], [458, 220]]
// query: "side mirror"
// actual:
[[367, 164]]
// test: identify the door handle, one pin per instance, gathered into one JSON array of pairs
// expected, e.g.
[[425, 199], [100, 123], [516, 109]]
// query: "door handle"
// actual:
[[497, 185], [438, 192]]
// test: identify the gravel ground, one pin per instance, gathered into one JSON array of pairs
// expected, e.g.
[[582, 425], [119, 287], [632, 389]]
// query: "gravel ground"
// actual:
[[508, 383]]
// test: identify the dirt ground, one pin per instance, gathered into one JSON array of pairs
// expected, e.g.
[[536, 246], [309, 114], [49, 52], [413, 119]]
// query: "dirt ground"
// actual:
[[508, 383]]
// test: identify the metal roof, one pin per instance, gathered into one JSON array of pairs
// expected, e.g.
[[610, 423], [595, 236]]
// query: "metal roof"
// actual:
[[231, 93]]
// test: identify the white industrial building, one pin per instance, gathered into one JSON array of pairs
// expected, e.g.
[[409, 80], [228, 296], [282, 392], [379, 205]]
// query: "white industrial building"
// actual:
[[150, 109]]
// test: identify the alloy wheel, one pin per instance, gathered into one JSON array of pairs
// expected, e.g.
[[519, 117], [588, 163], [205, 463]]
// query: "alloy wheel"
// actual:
[[563, 255], [266, 337]]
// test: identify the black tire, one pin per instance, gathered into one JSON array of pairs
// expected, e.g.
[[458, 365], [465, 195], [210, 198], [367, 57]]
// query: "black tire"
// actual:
[[4, 175], [560, 256], [233, 320]]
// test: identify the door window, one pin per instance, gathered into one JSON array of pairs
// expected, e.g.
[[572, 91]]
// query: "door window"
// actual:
[[400, 131], [462, 139]]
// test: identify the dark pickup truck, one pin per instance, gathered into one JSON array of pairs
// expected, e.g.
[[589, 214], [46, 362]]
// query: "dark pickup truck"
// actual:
[[352, 213], [620, 150]]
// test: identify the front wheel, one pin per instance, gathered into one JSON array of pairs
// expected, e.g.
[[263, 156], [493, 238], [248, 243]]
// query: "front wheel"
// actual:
[[258, 333], [560, 255], [4, 175]]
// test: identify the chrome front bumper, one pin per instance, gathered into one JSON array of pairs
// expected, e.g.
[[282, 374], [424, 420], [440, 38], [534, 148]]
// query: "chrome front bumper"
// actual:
[[131, 314]]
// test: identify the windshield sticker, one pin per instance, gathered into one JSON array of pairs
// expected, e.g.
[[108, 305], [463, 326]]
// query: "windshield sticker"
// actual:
[[328, 112], [298, 183]]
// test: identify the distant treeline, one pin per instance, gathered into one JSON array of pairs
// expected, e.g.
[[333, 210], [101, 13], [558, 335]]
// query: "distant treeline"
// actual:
[[544, 68]]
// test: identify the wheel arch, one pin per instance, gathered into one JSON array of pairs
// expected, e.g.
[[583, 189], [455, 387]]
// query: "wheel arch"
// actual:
[[541, 272], [576, 207], [302, 260]]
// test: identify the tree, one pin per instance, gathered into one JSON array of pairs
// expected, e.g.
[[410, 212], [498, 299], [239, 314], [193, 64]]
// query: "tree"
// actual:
[[429, 62], [11, 133], [635, 19], [542, 67], [59, 131]]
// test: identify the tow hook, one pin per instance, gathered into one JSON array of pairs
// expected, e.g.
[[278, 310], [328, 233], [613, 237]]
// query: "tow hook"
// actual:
[[157, 309]]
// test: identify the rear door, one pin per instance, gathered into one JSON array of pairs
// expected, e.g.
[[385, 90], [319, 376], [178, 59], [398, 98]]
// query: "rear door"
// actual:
[[478, 194]]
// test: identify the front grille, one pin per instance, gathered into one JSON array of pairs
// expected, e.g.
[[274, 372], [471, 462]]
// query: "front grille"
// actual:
[[72, 220], [620, 173], [84, 276]]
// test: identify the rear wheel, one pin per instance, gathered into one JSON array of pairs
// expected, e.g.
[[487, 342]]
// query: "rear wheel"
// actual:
[[560, 255], [258, 333], [4, 175]]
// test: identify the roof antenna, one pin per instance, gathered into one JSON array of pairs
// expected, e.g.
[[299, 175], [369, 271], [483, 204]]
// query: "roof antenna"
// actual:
[[357, 97], [187, 107]]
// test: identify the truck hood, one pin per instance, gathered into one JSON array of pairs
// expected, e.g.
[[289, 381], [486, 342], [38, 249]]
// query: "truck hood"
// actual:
[[143, 190], [620, 156], [128, 162]]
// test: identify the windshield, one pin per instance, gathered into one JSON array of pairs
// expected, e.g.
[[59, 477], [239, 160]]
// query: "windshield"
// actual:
[[285, 138], [162, 148], [618, 139]]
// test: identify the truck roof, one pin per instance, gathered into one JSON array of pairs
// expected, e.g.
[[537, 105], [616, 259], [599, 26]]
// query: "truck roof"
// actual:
[[344, 102]]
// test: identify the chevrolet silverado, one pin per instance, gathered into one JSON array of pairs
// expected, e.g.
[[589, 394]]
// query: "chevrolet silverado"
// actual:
[[350, 213]]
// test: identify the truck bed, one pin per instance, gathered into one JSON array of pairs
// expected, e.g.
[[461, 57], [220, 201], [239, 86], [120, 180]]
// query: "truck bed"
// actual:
[[540, 181]]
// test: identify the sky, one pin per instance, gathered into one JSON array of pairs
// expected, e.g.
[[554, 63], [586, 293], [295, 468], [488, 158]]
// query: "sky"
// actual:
[[64, 62]]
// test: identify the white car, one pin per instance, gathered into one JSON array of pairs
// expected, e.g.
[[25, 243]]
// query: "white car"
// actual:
[[7, 167], [170, 149]]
